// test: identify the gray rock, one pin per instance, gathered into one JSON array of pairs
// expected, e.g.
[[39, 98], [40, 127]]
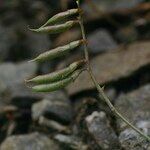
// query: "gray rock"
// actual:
[[111, 5], [71, 141], [6, 41], [21, 91], [19, 42], [37, 43], [15, 28], [100, 41], [111, 93], [53, 106], [54, 125], [12, 73], [3, 86], [136, 107], [120, 4], [100, 129], [127, 34], [130, 140], [112, 66], [33, 141], [12, 78]]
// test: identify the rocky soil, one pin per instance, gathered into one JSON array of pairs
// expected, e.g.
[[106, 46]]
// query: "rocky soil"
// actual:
[[118, 36]]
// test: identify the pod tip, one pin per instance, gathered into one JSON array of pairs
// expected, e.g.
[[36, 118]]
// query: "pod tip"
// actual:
[[27, 81], [84, 41], [33, 60], [82, 62], [34, 30], [80, 10]]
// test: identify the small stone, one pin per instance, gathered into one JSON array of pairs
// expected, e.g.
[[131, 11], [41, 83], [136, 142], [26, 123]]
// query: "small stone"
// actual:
[[100, 129], [13, 77], [33, 141], [101, 41], [130, 140], [12, 73], [54, 125], [136, 107], [71, 141], [55, 107]]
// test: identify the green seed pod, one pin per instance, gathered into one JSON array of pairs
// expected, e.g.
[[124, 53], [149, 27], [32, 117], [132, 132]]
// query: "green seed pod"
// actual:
[[56, 85], [56, 28], [61, 16], [57, 52], [58, 75]]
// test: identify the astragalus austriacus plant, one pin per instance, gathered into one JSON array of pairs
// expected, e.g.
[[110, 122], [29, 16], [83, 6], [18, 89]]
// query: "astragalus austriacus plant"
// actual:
[[60, 79]]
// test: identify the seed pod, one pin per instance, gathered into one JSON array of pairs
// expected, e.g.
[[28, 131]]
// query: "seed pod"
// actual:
[[61, 16], [56, 85], [56, 28], [57, 52], [58, 75]]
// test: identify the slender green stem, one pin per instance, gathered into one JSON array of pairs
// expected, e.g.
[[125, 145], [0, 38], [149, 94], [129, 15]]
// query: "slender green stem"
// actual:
[[102, 95]]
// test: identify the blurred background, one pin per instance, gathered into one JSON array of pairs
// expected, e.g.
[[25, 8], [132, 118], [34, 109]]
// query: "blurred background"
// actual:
[[118, 33]]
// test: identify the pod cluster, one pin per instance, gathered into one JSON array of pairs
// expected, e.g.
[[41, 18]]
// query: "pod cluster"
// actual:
[[61, 78]]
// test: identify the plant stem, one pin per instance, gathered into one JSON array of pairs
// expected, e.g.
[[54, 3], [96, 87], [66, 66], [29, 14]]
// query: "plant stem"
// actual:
[[102, 95]]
